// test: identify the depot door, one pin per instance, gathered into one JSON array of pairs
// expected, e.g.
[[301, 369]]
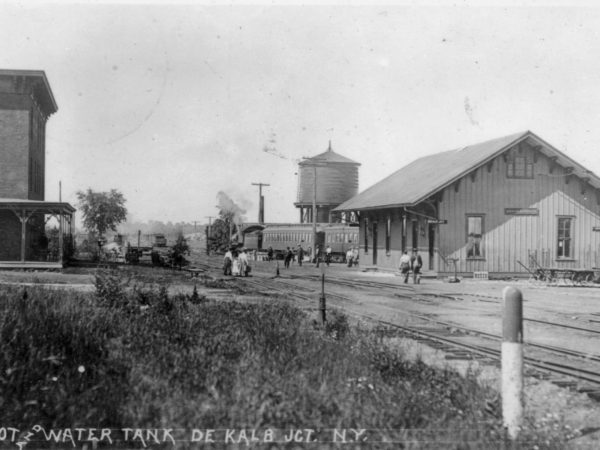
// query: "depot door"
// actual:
[[415, 234], [374, 243], [431, 233]]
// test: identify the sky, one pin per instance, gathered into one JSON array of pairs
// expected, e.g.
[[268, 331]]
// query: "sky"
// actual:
[[172, 103]]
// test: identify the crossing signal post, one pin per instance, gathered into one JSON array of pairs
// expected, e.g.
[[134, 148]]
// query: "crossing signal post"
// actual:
[[322, 305], [512, 361]]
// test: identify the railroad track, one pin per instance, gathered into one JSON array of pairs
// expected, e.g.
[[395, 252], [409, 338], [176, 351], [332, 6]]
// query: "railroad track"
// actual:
[[411, 293], [565, 374]]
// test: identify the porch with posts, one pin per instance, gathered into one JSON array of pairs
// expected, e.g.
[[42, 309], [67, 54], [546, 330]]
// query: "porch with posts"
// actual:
[[24, 240]]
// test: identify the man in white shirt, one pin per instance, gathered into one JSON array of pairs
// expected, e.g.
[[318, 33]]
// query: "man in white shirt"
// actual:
[[405, 265], [349, 257], [328, 254]]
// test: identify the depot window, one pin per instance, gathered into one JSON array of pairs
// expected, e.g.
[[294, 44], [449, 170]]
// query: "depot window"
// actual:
[[564, 244], [474, 236], [519, 167]]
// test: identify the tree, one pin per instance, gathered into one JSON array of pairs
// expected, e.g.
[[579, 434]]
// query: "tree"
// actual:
[[102, 211], [220, 233]]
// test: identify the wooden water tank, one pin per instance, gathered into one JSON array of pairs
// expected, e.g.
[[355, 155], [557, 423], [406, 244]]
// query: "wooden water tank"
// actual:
[[337, 181]]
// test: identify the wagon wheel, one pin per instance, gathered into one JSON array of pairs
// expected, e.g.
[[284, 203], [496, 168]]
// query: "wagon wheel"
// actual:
[[588, 278], [539, 275]]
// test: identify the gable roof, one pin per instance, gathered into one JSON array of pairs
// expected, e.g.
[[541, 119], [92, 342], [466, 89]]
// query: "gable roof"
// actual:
[[430, 174]]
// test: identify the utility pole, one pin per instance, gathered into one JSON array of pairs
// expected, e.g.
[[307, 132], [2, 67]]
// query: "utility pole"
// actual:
[[314, 163], [208, 234], [261, 202]]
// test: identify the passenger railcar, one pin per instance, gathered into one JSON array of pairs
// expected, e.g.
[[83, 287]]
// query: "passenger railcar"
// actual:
[[340, 237]]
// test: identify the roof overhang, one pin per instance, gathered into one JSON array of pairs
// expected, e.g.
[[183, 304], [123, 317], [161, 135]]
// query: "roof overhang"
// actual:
[[41, 88], [373, 208], [251, 228], [36, 206]]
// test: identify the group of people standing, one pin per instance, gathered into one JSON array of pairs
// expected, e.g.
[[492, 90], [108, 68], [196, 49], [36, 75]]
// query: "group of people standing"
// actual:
[[352, 257], [322, 257], [290, 255], [411, 263], [300, 255], [236, 263]]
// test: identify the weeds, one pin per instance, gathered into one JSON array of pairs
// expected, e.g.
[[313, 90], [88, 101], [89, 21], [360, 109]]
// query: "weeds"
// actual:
[[337, 325], [179, 361]]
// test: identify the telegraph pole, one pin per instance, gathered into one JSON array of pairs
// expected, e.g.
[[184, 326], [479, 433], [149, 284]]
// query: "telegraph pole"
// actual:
[[261, 202], [208, 234], [314, 163]]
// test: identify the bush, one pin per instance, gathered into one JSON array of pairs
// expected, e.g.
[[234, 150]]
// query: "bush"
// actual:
[[111, 288], [336, 325], [179, 251]]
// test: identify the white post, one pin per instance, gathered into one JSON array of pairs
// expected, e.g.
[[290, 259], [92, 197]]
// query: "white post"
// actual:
[[512, 361]]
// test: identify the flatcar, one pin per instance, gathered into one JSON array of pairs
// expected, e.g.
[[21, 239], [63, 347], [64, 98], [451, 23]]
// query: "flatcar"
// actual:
[[341, 237]]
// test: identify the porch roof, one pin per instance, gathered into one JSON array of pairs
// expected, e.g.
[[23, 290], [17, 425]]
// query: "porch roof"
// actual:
[[36, 205]]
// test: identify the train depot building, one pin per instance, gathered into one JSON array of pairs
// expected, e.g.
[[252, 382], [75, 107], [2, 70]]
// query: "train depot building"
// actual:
[[26, 103], [502, 207]]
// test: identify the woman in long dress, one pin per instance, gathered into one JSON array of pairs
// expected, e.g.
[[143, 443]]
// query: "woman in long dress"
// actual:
[[235, 265], [243, 259]]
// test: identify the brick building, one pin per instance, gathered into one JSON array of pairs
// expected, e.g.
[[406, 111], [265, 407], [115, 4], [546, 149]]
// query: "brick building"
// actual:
[[26, 103]]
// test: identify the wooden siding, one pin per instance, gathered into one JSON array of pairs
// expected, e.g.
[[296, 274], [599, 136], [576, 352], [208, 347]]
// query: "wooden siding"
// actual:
[[390, 260], [511, 238]]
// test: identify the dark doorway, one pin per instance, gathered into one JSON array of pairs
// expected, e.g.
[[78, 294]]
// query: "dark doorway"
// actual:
[[431, 244], [374, 243], [415, 234]]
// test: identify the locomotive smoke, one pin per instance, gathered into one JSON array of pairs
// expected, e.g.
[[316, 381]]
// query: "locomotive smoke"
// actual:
[[229, 207]]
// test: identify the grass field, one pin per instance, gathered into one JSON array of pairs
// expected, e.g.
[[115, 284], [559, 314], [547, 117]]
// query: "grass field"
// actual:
[[141, 358]]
